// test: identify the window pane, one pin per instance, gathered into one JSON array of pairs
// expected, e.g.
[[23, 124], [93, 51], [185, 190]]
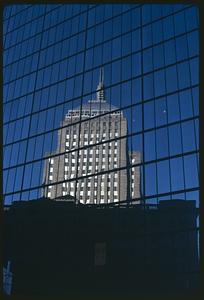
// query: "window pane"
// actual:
[[177, 178], [149, 121], [191, 174], [163, 177], [150, 149], [161, 111], [188, 136], [175, 139], [186, 104], [162, 142], [150, 179]]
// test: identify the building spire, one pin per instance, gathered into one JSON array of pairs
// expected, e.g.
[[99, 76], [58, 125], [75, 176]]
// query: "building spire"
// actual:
[[100, 93], [101, 76]]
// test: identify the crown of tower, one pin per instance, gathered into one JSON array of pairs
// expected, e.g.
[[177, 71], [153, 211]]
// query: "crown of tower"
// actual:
[[96, 106]]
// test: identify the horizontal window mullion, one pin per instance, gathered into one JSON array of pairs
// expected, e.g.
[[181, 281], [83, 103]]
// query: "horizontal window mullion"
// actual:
[[56, 8], [107, 114], [99, 23], [87, 49], [95, 68], [18, 12], [103, 115], [34, 19], [107, 142], [160, 195], [44, 30], [103, 173], [98, 43], [90, 93]]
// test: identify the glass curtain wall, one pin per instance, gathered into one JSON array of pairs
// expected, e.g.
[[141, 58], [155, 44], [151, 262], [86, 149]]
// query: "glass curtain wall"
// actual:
[[53, 56]]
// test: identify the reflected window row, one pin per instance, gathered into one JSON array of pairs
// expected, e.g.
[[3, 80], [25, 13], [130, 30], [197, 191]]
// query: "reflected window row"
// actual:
[[23, 33], [157, 83], [54, 14], [97, 35], [160, 143], [157, 57], [12, 10], [40, 123], [21, 50], [160, 112], [187, 195], [161, 177], [36, 193], [171, 175], [124, 94], [74, 25]]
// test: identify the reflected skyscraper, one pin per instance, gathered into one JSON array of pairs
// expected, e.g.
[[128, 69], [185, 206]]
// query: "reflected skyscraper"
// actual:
[[94, 136]]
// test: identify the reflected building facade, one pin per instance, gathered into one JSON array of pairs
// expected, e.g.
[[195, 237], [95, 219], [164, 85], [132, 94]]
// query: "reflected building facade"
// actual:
[[103, 126]]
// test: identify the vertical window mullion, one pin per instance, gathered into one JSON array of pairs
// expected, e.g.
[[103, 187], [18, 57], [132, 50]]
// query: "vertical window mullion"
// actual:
[[170, 181], [194, 126], [29, 127], [81, 103], [177, 78]]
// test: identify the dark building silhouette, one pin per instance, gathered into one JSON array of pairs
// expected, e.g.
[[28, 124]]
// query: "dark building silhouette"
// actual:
[[60, 248]]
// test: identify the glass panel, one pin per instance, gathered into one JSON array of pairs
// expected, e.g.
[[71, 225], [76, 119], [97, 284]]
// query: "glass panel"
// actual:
[[177, 178], [163, 176], [150, 179]]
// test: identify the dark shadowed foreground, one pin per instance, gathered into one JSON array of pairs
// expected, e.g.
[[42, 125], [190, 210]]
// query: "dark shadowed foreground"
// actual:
[[58, 248]]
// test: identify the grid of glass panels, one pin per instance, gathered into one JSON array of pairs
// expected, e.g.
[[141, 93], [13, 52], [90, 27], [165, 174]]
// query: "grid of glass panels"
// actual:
[[52, 59]]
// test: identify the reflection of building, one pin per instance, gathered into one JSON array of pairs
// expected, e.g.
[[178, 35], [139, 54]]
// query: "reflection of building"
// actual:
[[103, 156], [56, 248], [135, 174], [7, 279]]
